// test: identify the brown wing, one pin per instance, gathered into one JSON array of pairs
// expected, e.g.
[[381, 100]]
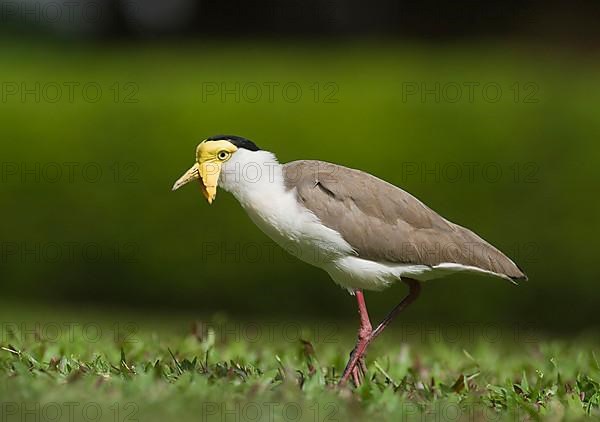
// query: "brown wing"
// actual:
[[386, 224]]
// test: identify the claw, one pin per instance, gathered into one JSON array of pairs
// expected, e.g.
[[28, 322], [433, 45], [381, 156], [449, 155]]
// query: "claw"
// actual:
[[359, 372]]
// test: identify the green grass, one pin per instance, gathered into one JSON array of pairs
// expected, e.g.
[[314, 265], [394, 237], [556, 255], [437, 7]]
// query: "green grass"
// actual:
[[241, 370]]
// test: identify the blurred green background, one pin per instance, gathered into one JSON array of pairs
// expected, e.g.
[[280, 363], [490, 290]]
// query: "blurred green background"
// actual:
[[88, 217]]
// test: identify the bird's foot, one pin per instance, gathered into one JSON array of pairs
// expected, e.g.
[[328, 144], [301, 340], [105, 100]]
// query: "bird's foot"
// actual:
[[359, 372], [356, 369]]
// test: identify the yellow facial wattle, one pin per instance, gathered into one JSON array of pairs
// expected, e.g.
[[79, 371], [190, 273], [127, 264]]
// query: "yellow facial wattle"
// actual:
[[210, 155]]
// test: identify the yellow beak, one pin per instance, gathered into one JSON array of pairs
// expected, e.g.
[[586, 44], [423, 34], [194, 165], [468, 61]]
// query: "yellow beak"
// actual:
[[208, 174]]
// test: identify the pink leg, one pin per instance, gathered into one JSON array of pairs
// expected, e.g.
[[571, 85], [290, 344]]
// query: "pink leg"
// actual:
[[366, 334]]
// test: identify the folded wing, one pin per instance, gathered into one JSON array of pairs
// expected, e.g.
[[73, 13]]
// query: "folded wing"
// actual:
[[383, 223]]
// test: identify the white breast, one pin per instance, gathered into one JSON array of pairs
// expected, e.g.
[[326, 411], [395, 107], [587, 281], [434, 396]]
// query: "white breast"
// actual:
[[299, 232]]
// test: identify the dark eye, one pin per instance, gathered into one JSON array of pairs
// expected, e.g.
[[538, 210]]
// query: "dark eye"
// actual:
[[222, 155]]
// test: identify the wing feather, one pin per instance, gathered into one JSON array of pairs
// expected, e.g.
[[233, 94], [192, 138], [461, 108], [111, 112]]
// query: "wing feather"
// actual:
[[386, 224]]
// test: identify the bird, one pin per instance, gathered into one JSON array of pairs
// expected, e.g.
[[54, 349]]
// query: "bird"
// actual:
[[366, 233]]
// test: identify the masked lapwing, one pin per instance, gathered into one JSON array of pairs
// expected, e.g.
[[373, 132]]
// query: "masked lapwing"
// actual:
[[364, 232]]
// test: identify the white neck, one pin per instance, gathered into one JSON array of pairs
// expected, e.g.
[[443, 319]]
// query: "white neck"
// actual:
[[253, 177]]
